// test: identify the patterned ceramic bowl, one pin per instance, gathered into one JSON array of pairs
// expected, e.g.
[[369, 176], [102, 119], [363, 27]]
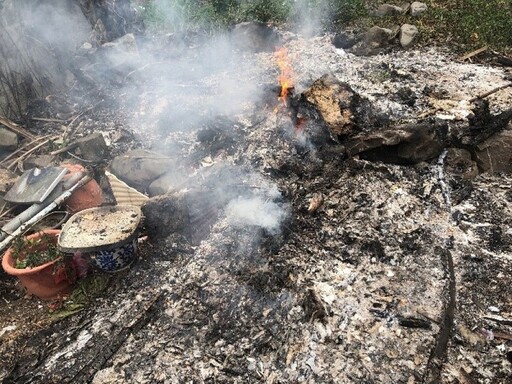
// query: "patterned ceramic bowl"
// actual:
[[117, 259], [108, 234]]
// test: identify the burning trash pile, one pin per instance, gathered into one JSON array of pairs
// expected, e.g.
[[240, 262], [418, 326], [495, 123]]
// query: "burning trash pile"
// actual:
[[275, 209]]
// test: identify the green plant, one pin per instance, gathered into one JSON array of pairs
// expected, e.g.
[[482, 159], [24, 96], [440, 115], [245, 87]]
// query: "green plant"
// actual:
[[469, 24], [168, 15], [86, 290], [35, 252]]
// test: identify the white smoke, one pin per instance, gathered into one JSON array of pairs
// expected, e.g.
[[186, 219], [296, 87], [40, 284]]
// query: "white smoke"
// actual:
[[256, 211]]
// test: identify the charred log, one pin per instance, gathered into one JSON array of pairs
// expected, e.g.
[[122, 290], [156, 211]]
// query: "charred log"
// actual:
[[407, 144], [343, 111], [482, 124]]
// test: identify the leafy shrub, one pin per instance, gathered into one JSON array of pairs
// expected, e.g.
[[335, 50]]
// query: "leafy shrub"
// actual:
[[212, 14], [463, 22]]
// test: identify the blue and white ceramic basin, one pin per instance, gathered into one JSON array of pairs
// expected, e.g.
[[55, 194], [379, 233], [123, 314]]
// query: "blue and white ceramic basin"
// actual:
[[107, 234]]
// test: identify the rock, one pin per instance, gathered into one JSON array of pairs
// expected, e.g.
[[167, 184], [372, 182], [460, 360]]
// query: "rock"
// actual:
[[170, 181], [8, 140], [93, 148], [378, 37], [140, 167], [39, 161], [344, 40], [418, 8], [405, 95], [254, 36], [342, 110], [7, 179], [408, 35], [407, 144], [405, 7], [388, 10], [374, 40], [495, 154]]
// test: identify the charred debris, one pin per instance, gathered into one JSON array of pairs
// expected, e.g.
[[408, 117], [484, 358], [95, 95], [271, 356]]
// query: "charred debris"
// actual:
[[322, 225]]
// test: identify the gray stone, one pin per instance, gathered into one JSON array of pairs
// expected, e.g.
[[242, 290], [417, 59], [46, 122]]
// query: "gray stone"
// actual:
[[8, 140], [7, 179], [408, 34], [254, 36], [374, 40], [378, 37], [39, 161], [140, 167], [388, 10], [344, 40], [170, 181], [418, 8], [93, 147]]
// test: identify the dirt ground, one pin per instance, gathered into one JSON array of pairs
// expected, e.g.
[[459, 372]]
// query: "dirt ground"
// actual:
[[402, 274]]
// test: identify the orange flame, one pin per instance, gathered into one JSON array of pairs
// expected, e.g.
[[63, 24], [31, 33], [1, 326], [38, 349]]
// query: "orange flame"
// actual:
[[285, 76]]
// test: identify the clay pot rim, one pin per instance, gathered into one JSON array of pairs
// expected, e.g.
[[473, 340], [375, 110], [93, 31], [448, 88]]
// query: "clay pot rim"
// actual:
[[8, 260]]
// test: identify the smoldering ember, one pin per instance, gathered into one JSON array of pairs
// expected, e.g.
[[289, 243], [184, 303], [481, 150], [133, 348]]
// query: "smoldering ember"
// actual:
[[316, 207]]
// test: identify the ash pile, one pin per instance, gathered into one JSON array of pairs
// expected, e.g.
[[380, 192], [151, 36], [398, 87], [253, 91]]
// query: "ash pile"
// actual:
[[314, 216]]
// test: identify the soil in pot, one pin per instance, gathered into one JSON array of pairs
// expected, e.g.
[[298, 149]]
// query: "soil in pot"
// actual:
[[48, 281]]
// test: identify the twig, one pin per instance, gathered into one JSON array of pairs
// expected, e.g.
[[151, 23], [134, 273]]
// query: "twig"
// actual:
[[48, 120], [79, 158], [490, 92], [142, 68], [65, 134], [16, 128], [30, 151], [64, 149], [7, 212], [498, 319], [472, 100], [66, 131], [24, 147], [474, 53]]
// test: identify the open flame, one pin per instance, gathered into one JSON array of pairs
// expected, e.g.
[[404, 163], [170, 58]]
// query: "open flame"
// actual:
[[285, 73]]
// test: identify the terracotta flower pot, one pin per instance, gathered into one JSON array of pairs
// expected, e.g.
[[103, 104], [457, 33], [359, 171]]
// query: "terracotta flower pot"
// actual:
[[44, 281], [88, 196]]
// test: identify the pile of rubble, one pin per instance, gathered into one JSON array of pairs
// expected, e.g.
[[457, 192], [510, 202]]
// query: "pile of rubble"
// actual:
[[356, 232]]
